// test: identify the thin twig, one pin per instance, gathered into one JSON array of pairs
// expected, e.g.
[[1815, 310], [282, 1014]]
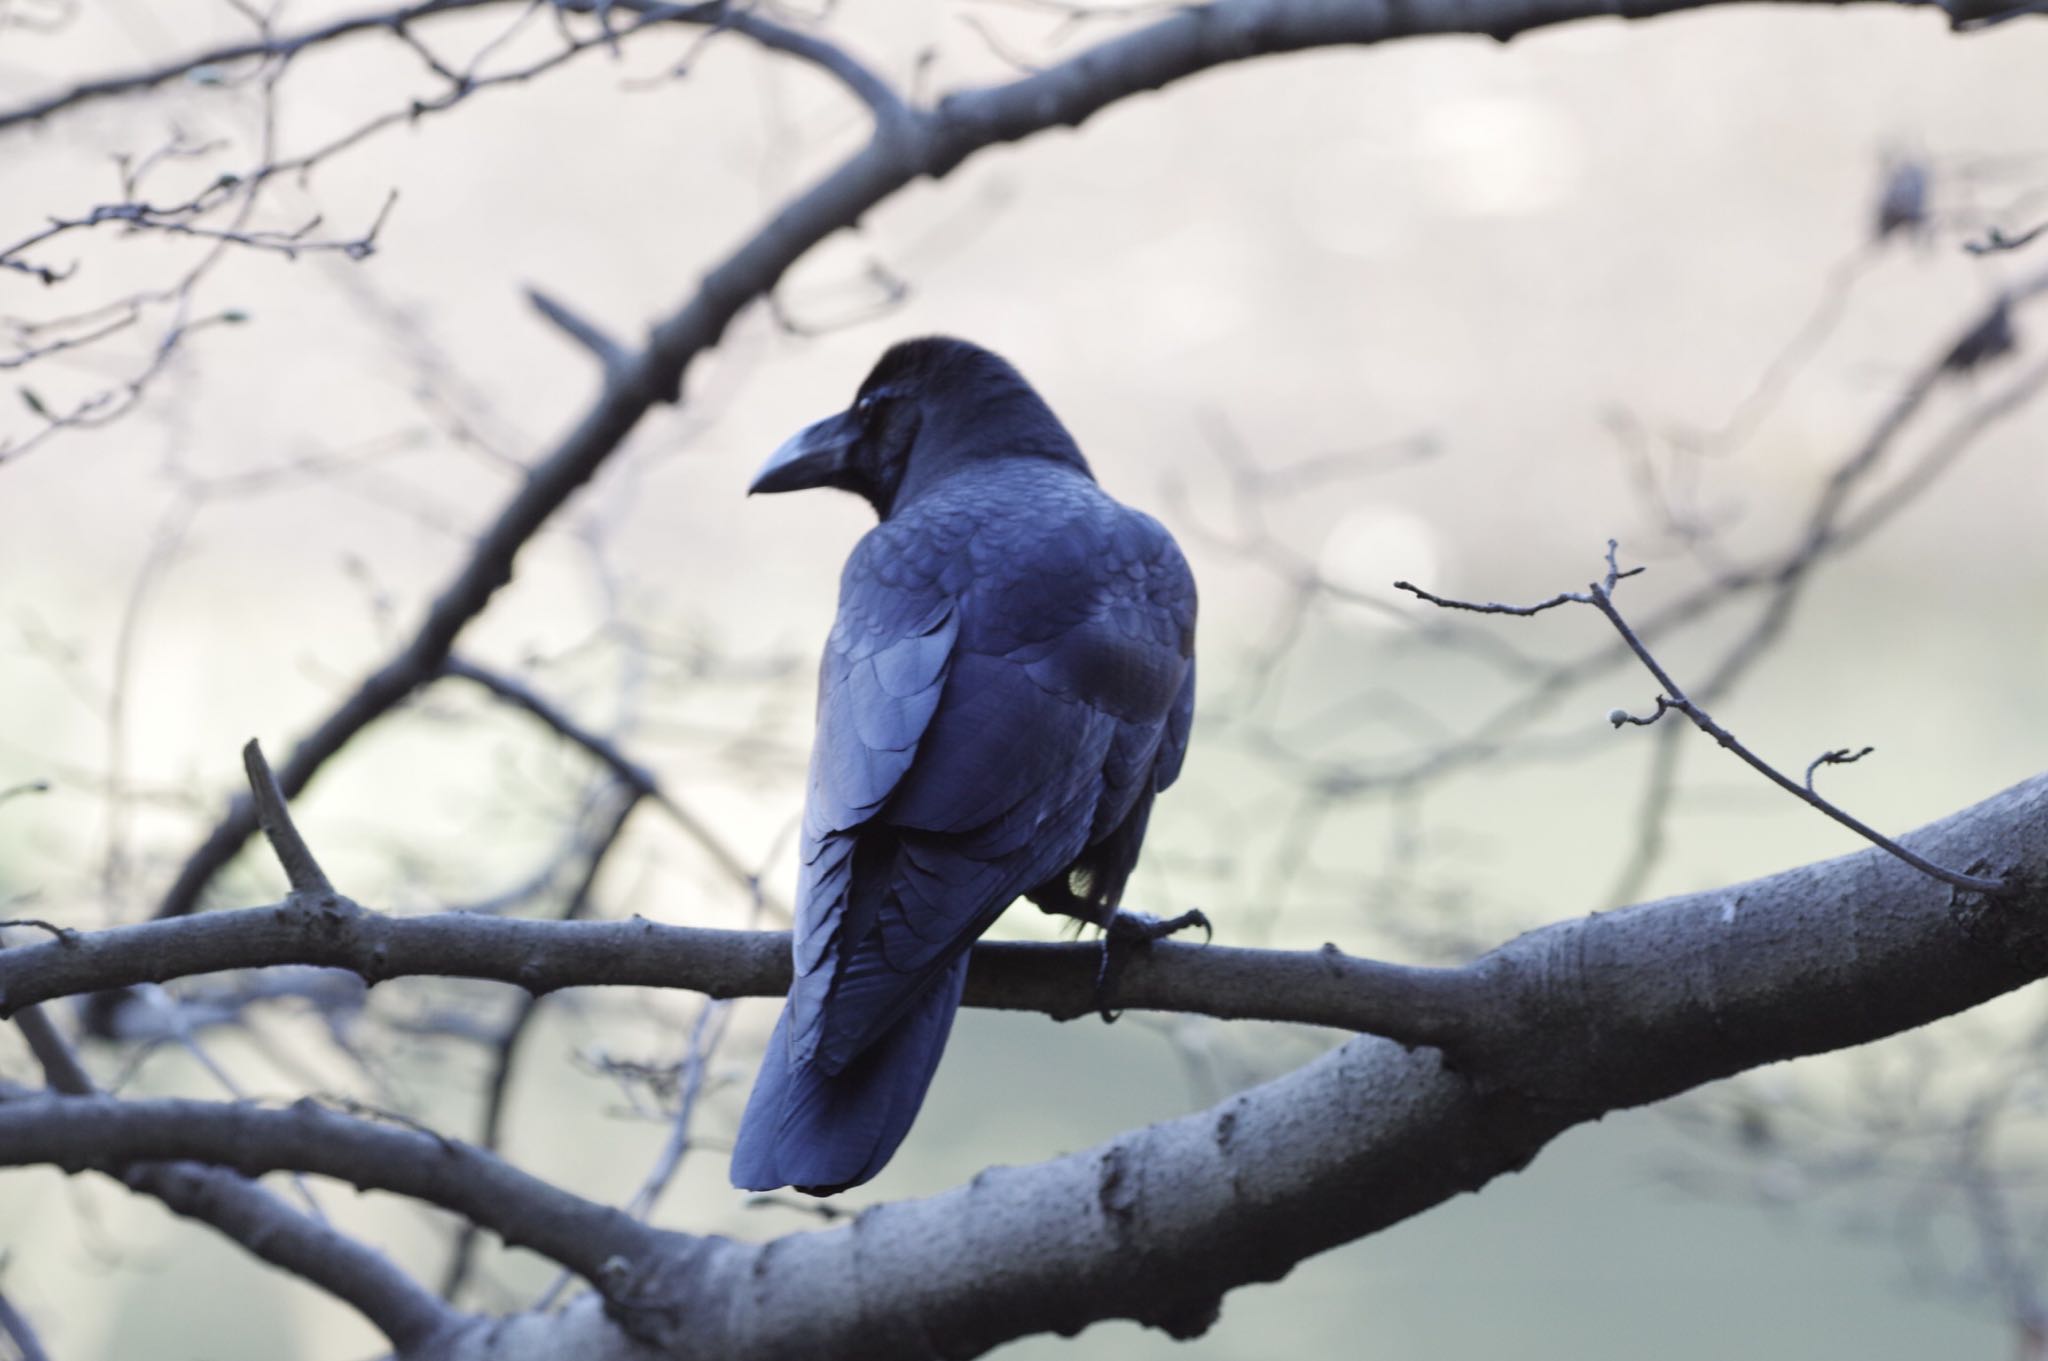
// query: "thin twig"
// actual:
[[705, 1035], [1600, 595], [462, 1259], [64, 934], [631, 773], [1996, 240], [1840, 756]]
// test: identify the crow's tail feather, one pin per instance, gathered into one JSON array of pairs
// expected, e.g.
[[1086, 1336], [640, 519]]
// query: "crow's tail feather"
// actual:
[[823, 1132]]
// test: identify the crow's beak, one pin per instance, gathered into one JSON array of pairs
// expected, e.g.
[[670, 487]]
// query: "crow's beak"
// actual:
[[814, 456]]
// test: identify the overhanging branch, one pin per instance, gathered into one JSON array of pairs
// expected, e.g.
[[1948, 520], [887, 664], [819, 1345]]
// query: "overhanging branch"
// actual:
[[908, 145]]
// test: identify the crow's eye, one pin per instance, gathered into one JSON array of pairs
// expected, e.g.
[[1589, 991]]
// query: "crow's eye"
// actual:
[[869, 404]]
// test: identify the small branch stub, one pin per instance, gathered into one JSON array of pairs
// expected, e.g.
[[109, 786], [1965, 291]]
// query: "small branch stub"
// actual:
[[301, 870], [610, 355], [1840, 756]]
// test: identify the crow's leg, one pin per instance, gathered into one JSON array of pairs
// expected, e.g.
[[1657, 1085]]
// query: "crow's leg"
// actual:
[[1125, 934], [1057, 897]]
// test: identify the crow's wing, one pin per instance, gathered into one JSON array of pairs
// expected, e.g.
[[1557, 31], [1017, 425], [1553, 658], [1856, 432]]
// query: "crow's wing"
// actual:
[[1018, 696], [879, 683]]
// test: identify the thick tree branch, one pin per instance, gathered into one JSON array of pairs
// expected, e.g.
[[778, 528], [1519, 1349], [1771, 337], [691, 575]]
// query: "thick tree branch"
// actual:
[[98, 1133], [1549, 1030], [1591, 1015], [247, 1214], [1455, 1008], [1587, 1016]]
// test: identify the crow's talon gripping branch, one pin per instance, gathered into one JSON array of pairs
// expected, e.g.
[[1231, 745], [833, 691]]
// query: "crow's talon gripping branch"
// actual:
[[1129, 932]]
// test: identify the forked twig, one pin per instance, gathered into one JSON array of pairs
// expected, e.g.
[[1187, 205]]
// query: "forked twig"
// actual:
[[1600, 595]]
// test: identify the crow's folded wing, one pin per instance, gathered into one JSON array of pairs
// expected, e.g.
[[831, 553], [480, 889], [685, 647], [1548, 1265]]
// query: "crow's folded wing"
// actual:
[[969, 748], [881, 679]]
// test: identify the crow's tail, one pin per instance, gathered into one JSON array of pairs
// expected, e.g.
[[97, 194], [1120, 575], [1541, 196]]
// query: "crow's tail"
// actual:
[[823, 1132]]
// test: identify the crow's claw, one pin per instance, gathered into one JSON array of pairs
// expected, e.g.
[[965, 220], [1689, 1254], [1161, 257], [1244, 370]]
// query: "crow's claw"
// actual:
[[1125, 935]]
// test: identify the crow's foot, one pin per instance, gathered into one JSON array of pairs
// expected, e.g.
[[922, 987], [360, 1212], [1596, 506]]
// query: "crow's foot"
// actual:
[[1125, 935]]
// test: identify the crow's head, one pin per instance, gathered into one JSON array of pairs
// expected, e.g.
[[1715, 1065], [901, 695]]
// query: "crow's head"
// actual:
[[930, 408]]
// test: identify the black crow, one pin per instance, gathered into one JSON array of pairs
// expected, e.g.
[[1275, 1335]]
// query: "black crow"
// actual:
[[1009, 681]]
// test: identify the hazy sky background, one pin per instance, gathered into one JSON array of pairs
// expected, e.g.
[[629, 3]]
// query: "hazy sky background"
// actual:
[[1488, 249]]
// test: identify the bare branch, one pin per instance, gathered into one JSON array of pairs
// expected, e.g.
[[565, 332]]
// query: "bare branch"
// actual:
[[1830, 527], [1310, 987], [507, 1049], [1370, 1134], [84, 1133], [929, 144], [182, 220], [64, 934], [278, 49], [631, 773], [705, 1034], [1992, 337], [1612, 1010], [1551, 1029], [1326, 987], [1600, 595], [249, 1215]]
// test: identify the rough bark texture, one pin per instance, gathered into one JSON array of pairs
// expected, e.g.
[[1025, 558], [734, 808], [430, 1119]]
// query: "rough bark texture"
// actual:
[[1553, 1028]]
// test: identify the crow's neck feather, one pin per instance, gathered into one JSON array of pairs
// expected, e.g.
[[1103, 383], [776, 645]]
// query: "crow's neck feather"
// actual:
[[963, 435]]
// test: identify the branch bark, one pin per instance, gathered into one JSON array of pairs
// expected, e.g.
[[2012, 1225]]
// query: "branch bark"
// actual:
[[96, 1133], [1590, 1015], [1551, 1029], [1311, 987], [247, 1214]]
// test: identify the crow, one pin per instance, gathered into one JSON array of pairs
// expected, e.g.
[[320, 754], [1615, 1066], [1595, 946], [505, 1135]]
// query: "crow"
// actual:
[[1008, 683]]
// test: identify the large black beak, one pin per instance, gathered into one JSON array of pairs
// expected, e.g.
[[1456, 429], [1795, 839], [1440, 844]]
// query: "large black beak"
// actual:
[[815, 456]]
